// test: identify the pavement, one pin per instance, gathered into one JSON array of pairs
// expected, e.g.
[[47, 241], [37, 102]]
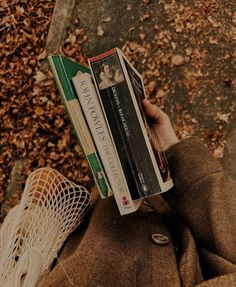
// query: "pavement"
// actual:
[[109, 24]]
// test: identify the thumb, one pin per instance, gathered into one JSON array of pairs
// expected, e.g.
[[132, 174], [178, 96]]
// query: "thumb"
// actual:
[[152, 111]]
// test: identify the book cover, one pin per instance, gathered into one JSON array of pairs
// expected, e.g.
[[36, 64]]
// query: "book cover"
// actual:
[[94, 115], [120, 89], [63, 70]]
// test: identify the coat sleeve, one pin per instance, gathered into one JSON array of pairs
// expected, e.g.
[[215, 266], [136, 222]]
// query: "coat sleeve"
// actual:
[[205, 197]]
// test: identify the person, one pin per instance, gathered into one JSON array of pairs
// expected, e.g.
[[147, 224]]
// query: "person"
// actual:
[[190, 243], [109, 76]]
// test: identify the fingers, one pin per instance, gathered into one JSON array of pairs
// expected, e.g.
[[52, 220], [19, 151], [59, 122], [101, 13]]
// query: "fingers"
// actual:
[[162, 126], [152, 111]]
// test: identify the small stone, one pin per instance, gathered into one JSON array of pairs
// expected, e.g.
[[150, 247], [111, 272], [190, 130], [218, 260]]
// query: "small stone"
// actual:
[[177, 60], [194, 121], [129, 7], [100, 31], [107, 19]]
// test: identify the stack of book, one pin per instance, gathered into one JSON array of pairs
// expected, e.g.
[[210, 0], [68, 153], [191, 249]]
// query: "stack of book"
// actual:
[[104, 104]]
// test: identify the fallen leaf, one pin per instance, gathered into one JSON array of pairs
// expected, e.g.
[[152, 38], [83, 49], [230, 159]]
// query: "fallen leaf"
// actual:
[[224, 117], [39, 76], [160, 93], [189, 51], [151, 86], [42, 56], [213, 40], [131, 29], [219, 152], [142, 36], [177, 60], [39, 111], [144, 17]]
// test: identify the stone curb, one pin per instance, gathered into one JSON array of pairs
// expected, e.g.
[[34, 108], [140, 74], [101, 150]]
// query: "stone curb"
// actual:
[[60, 22], [61, 19], [15, 186]]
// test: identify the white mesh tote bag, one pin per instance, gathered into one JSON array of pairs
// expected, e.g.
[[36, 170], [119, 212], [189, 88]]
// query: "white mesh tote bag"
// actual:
[[34, 231]]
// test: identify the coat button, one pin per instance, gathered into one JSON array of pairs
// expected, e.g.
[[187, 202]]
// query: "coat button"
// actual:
[[160, 239]]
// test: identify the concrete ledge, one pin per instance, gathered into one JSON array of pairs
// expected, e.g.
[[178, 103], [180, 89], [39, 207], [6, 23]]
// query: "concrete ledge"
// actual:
[[60, 22]]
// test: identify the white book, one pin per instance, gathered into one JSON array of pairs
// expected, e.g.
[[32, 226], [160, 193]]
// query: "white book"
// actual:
[[63, 70], [98, 127]]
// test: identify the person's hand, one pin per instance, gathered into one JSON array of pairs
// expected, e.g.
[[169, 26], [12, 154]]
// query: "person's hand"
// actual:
[[160, 124]]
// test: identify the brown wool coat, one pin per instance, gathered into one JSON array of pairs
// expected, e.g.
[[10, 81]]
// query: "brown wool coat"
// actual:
[[111, 250]]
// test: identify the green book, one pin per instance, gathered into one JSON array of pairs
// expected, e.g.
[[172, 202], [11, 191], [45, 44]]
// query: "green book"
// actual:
[[64, 70]]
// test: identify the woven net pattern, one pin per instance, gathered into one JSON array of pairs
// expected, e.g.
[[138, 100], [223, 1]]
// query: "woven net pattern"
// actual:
[[34, 231]]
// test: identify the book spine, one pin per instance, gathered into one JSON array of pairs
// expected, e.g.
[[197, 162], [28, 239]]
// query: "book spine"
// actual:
[[126, 124], [93, 113], [81, 130]]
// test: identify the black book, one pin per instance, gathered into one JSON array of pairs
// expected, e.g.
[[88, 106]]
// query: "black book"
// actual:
[[121, 91]]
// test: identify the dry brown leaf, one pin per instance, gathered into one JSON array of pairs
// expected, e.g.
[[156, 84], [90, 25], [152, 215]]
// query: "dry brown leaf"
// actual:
[[177, 60], [224, 117], [42, 56], [219, 152], [39, 76], [39, 111], [20, 11], [142, 36], [144, 17], [160, 93]]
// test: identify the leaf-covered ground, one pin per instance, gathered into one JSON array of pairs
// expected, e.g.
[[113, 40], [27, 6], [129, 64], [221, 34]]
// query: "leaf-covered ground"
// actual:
[[184, 49], [33, 122]]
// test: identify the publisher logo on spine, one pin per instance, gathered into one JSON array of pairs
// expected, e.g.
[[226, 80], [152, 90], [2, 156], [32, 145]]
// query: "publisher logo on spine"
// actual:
[[125, 202]]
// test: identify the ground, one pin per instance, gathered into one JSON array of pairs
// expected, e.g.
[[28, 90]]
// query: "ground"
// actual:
[[184, 49]]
